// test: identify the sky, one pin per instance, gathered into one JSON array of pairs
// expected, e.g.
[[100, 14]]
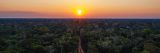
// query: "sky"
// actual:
[[91, 8]]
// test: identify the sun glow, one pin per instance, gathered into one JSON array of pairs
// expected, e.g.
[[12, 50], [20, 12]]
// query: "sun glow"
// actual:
[[79, 12]]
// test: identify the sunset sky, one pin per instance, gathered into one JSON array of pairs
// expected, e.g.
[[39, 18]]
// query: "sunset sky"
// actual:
[[90, 8]]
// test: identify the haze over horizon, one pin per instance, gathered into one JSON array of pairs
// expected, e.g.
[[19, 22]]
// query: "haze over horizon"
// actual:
[[130, 9]]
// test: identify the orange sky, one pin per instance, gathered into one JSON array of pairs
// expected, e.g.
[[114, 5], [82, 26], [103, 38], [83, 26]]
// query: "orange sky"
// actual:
[[92, 8]]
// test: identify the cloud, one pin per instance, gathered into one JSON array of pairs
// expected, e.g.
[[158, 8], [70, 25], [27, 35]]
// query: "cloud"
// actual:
[[20, 14]]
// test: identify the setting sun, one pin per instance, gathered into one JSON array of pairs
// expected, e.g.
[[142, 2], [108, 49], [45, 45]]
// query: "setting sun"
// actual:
[[79, 12]]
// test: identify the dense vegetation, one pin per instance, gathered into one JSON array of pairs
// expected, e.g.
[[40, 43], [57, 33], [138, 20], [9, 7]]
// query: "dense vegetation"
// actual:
[[98, 37]]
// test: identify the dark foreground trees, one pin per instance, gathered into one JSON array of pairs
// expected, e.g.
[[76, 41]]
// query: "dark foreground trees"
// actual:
[[104, 37]]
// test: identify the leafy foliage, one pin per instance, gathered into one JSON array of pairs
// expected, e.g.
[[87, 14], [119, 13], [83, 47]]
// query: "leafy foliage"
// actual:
[[98, 37]]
